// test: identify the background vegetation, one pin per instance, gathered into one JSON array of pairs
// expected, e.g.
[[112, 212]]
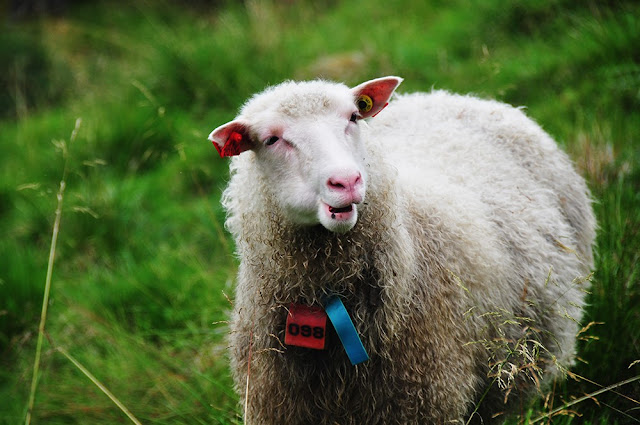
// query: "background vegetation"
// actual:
[[143, 266]]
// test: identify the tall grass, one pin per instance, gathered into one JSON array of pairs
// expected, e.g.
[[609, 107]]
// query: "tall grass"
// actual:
[[143, 266], [47, 286]]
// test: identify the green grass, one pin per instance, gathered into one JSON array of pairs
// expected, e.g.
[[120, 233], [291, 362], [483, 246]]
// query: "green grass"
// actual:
[[143, 266]]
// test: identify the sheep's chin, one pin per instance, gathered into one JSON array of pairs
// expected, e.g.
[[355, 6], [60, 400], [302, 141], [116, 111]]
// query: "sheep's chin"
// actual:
[[337, 222]]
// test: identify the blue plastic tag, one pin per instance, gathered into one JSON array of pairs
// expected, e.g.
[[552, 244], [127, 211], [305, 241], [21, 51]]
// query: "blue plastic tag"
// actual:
[[346, 331]]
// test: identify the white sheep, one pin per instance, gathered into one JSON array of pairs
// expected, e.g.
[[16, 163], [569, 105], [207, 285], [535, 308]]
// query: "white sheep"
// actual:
[[456, 233]]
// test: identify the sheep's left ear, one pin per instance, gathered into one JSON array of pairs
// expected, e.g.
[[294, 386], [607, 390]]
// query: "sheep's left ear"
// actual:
[[372, 96], [231, 138]]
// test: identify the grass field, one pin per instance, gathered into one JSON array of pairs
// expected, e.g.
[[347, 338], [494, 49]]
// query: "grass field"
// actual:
[[144, 270]]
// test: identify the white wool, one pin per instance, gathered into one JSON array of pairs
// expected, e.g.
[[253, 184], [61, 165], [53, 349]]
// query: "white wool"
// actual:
[[463, 159]]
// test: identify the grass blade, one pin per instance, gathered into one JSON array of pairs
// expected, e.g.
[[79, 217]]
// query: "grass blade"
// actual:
[[47, 285], [586, 397], [99, 384]]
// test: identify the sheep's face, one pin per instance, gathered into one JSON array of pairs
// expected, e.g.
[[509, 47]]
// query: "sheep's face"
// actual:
[[315, 169], [306, 139]]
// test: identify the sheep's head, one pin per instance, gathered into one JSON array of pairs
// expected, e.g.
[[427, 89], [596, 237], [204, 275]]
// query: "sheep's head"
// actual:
[[306, 141]]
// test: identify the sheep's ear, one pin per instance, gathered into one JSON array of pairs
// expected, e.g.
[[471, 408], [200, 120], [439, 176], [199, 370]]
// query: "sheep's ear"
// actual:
[[231, 138], [372, 96]]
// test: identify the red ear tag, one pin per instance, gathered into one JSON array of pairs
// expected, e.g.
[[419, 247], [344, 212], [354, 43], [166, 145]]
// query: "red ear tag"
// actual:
[[306, 326], [232, 145]]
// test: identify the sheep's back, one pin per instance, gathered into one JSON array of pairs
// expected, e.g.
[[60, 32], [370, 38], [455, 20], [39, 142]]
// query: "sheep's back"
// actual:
[[516, 214], [482, 149]]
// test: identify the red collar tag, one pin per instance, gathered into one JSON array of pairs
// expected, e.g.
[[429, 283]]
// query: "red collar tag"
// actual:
[[306, 326]]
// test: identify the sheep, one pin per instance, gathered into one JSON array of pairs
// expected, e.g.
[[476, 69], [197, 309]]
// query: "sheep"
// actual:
[[455, 232]]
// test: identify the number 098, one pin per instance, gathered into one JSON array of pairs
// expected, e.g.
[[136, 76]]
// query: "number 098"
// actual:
[[306, 331]]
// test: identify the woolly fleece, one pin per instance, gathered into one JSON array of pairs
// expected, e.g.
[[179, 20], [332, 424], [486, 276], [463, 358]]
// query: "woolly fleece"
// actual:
[[475, 240]]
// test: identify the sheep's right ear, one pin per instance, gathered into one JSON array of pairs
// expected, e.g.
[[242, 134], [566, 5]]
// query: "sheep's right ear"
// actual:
[[231, 139], [372, 96]]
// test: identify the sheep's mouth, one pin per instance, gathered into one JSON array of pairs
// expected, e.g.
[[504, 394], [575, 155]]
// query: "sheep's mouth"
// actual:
[[338, 219], [346, 209], [339, 214]]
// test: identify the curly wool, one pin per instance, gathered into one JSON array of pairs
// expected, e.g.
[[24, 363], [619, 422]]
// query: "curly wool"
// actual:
[[497, 225]]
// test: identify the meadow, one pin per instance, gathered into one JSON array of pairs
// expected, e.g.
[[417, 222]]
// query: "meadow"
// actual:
[[104, 115]]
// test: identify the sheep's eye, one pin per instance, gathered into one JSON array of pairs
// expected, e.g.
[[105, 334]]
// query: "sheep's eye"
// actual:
[[271, 140], [354, 117]]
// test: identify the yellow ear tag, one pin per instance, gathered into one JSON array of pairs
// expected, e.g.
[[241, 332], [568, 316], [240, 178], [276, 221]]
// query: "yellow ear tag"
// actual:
[[365, 103]]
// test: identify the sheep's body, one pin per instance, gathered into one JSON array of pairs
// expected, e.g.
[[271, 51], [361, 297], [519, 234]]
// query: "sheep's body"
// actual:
[[474, 239]]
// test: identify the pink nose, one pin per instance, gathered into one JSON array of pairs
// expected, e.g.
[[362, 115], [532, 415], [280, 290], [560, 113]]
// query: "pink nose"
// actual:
[[347, 185]]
